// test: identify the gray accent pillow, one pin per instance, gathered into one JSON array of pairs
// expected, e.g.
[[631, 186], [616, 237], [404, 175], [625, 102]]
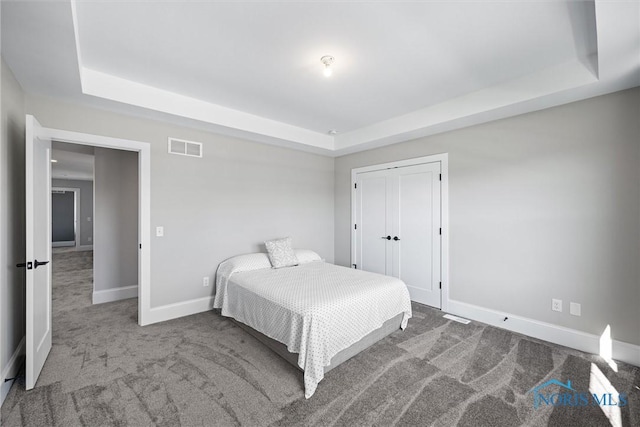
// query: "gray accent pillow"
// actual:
[[281, 253]]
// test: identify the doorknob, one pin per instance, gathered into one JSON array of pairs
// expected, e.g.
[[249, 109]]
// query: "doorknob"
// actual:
[[27, 265], [39, 263], [386, 237], [396, 238]]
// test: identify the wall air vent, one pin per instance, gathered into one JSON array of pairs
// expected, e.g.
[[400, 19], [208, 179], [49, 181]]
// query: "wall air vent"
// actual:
[[185, 148]]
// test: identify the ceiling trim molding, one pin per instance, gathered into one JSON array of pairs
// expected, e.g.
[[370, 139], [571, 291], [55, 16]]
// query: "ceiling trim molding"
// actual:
[[107, 86], [460, 112]]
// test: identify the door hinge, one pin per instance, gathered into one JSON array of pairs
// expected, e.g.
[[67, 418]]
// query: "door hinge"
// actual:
[[354, 265], [355, 226], [441, 231], [440, 285], [355, 185], [440, 177], [140, 245]]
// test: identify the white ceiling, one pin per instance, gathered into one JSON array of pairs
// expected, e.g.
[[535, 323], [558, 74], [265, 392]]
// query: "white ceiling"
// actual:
[[252, 69], [72, 165]]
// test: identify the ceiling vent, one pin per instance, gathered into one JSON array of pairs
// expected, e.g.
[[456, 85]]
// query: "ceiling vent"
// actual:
[[185, 148]]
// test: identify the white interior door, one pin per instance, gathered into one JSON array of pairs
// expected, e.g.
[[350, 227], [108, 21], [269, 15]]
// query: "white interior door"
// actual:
[[398, 227], [416, 231], [373, 213], [38, 250]]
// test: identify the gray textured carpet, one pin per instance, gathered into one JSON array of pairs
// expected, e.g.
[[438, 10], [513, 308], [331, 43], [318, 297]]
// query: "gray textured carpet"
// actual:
[[202, 370]]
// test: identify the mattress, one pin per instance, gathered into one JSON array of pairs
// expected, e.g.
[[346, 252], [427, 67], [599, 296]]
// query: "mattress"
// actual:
[[316, 309]]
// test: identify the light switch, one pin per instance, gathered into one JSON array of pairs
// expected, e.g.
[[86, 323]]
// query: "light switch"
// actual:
[[159, 231]]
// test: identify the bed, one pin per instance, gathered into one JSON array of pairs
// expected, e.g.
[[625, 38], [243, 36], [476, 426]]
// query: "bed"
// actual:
[[320, 312]]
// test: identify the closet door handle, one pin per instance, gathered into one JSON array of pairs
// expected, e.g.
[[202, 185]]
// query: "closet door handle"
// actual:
[[386, 237], [396, 238]]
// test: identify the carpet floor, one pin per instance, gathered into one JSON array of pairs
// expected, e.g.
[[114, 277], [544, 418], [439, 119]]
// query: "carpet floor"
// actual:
[[202, 370]]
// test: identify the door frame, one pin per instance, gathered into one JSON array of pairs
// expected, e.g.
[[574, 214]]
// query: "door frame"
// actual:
[[443, 158], [76, 215], [144, 203]]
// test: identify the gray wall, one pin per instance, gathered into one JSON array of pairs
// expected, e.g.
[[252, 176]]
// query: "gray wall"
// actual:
[[543, 205], [86, 206], [115, 248], [226, 203], [12, 217]]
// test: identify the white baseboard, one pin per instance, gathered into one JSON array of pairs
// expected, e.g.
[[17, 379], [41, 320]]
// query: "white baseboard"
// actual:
[[11, 370], [625, 352], [63, 244], [115, 294], [84, 248], [180, 309]]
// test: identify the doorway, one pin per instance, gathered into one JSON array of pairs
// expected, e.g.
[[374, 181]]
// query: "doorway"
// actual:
[[72, 262], [65, 210]]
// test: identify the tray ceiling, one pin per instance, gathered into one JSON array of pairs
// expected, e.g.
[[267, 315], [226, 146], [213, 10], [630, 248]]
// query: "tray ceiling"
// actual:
[[252, 69]]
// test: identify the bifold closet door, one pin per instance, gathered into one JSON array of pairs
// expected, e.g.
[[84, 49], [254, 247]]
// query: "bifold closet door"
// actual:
[[416, 223], [373, 217]]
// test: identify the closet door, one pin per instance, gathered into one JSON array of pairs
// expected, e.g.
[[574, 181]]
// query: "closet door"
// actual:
[[416, 253], [373, 222]]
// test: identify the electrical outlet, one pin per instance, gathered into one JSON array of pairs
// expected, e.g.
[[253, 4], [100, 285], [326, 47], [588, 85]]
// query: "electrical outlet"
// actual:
[[574, 308], [159, 231], [205, 281], [556, 304]]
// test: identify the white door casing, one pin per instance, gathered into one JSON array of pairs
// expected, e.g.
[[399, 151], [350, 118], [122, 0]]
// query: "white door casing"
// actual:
[[414, 213], [38, 250], [146, 314]]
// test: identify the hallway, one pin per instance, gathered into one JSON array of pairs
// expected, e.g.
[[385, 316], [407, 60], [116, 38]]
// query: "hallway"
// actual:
[[72, 280]]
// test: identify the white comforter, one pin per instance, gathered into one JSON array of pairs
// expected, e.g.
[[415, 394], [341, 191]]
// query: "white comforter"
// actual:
[[316, 309]]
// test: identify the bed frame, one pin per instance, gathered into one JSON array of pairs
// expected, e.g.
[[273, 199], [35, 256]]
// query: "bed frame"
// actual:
[[373, 337]]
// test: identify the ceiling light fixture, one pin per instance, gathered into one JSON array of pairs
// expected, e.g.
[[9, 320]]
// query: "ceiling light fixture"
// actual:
[[327, 60], [54, 161]]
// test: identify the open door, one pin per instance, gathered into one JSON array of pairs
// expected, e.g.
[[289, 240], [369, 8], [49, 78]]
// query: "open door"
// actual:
[[38, 250]]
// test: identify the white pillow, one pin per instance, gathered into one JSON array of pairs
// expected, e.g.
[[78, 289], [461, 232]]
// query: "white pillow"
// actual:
[[247, 262], [236, 264], [305, 255], [281, 253]]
